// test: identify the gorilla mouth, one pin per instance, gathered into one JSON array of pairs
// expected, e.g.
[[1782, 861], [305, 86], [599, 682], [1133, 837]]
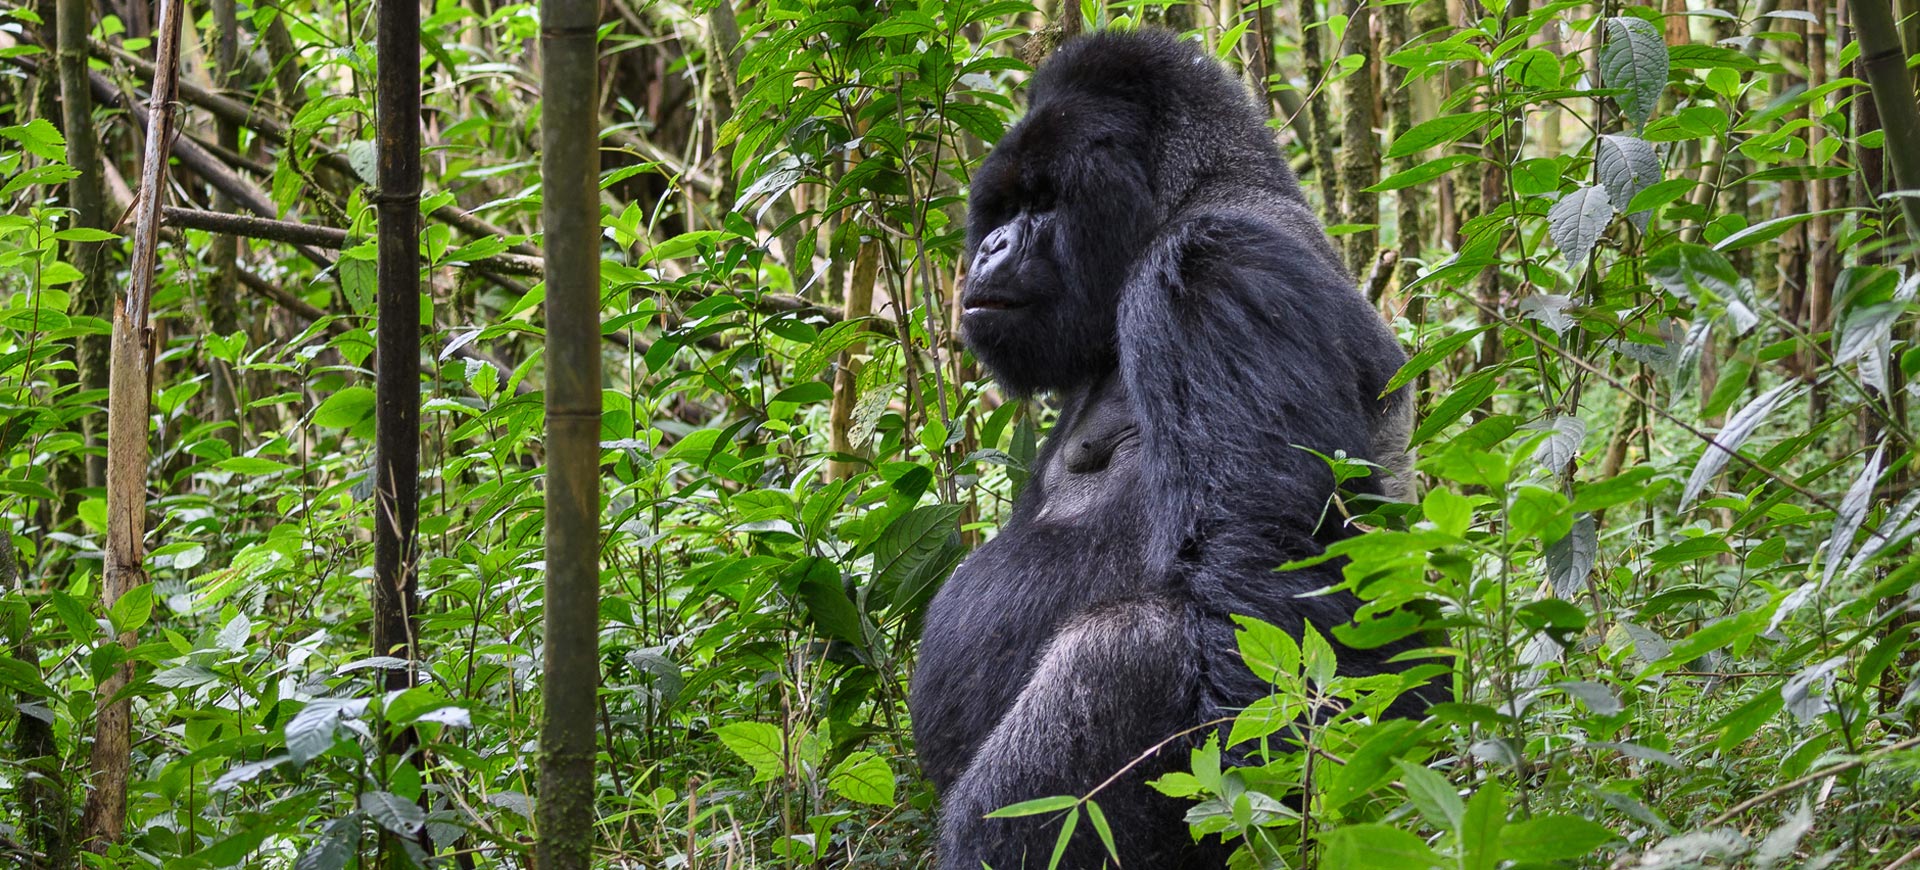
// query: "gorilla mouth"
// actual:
[[989, 303]]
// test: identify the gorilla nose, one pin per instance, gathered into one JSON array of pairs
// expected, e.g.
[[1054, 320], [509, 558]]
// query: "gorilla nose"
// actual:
[[994, 251]]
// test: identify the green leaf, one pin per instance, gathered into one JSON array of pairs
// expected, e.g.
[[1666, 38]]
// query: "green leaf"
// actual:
[[1439, 131], [1449, 511], [39, 137], [1578, 220], [1431, 794], [1635, 58], [759, 744], [1377, 847], [832, 612], [1100, 827], [1272, 654], [1627, 165], [1061, 842], [253, 465], [1535, 68], [683, 245], [1715, 635], [1768, 230], [910, 544], [863, 777], [1430, 356], [1553, 838], [393, 812], [1035, 807], [132, 609], [1423, 173], [333, 848], [345, 408], [1479, 834]]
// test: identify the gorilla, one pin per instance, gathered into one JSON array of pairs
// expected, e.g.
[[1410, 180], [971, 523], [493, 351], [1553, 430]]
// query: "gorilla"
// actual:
[[1140, 250]]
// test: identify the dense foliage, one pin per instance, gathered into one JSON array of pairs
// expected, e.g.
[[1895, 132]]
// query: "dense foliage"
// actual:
[[1613, 237]]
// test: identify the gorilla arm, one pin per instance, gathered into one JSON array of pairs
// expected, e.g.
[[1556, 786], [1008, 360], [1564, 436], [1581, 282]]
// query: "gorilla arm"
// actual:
[[1242, 340]]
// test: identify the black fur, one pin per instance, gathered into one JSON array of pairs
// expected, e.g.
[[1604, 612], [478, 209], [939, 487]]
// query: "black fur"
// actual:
[[1141, 250]]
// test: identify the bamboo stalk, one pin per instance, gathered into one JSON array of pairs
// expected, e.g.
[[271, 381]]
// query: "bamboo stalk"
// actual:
[[1884, 60], [83, 154], [570, 218], [129, 396]]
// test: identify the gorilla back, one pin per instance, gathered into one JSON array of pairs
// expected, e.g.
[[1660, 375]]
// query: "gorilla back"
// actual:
[[1140, 249]]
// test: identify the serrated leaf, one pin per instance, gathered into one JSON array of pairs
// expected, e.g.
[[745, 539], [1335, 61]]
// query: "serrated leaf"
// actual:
[[863, 777], [310, 732], [1562, 445], [1272, 654], [333, 848], [1570, 559], [1577, 221], [1635, 58], [1627, 165], [909, 544], [393, 812], [1731, 436], [759, 744]]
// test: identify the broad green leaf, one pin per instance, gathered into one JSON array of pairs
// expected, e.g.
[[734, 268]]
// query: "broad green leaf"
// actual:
[[1479, 834], [335, 846], [863, 777], [345, 408], [1272, 654], [1377, 847], [759, 744], [1432, 794], [1535, 68], [1439, 131], [1423, 173], [1627, 165], [393, 812], [1635, 58], [1578, 220], [1553, 838]]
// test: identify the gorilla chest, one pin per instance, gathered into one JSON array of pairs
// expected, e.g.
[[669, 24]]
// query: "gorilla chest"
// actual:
[[1075, 541]]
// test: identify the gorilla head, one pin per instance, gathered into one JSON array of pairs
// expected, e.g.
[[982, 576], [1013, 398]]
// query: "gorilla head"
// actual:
[[1122, 129]]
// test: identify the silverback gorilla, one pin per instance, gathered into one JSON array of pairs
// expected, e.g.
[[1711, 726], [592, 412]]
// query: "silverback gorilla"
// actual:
[[1140, 250]]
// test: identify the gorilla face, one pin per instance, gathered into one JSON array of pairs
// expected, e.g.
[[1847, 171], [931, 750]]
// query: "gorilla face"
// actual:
[[1058, 213]]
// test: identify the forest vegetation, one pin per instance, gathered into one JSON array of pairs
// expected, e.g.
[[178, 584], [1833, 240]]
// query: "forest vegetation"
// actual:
[[615, 554]]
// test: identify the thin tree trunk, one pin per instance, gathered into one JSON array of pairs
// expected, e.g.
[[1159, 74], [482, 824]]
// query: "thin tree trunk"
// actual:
[[846, 390], [129, 395], [42, 792], [1360, 145], [89, 204], [1314, 67], [396, 463], [570, 215], [1884, 61], [223, 302], [1411, 224], [1791, 262]]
